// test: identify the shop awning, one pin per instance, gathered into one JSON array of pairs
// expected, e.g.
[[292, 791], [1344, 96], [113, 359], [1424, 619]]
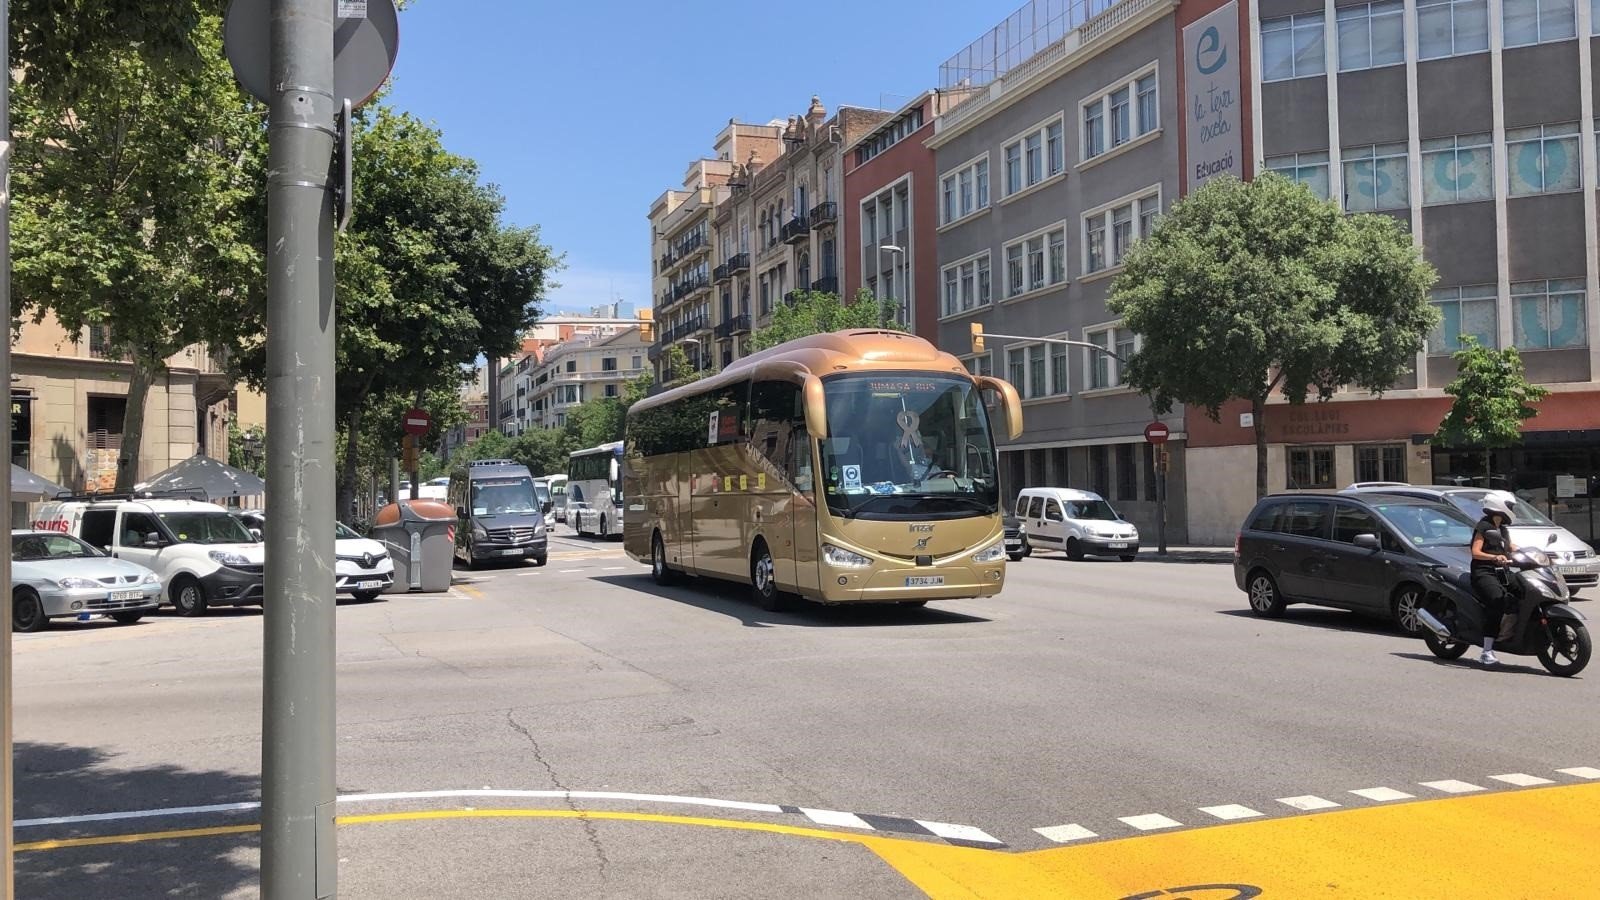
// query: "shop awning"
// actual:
[[26, 486], [217, 480]]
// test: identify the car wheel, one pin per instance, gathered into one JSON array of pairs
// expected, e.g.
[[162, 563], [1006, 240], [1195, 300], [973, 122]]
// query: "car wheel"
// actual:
[[605, 531], [764, 581], [1265, 601], [660, 572], [1128, 557], [1027, 549], [1074, 550], [541, 559], [127, 618], [188, 597], [27, 611], [1407, 601], [366, 596], [1015, 557]]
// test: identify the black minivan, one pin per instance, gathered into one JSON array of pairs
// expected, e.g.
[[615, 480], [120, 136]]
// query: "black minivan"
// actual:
[[1367, 554]]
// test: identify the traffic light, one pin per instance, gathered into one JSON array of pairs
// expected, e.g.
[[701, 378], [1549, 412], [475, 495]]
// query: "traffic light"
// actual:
[[647, 327], [977, 338]]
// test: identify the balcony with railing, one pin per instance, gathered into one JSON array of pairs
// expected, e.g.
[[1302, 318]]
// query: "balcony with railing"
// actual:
[[793, 297], [720, 274], [795, 230], [736, 325], [824, 213], [690, 287], [693, 246], [826, 285], [738, 262]]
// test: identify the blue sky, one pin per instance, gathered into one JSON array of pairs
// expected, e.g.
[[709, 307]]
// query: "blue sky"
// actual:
[[583, 113]]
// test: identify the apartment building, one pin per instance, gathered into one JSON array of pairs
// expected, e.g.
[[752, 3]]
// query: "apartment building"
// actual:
[[576, 371], [1039, 184], [681, 250], [512, 413]]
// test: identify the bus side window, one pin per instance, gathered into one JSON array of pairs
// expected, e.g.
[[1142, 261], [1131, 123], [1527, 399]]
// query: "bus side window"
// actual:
[[773, 417], [800, 473]]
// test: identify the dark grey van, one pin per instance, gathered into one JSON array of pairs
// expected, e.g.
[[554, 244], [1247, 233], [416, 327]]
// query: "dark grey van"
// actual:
[[500, 516], [1368, 554]]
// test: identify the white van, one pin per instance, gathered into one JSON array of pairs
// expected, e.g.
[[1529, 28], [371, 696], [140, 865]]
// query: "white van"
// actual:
[[1078, 523], [203, 554]]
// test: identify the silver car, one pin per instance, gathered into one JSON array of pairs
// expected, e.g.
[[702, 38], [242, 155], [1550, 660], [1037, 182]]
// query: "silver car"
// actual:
[[57, 576]]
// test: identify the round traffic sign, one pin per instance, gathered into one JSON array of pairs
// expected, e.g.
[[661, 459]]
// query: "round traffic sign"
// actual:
[[366, 40], [416, 421], [1157, 432]]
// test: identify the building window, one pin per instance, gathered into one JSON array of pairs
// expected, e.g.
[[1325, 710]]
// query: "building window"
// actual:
[[1310, 169], [1452, 27], [1100, 469], [1036, 262], [964, 191], [1386, 462], [1058, 369], [1150, 473], [1291, 47], [611, 390], [1371, 35], [1033, 372], [608, 364], [1128, 110], [1127, 223], [1471, 310], [1310, 468], [1127, 474], [1457, 169], [1375, 177], [1036, 376], [1539, 21], [1105, 370], [638, 362], [572, 365], [966, 285], [980, 365], [1543, 159], [1548, 315], [1026, 160]]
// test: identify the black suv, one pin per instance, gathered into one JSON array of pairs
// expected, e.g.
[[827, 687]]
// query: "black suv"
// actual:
[[1363, 553]]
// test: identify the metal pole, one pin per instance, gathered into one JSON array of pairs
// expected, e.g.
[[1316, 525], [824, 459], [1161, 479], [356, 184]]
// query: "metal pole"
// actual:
[[298, 860], [6, 672]]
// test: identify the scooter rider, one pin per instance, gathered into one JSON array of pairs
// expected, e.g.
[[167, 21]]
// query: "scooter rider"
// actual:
[[1491, 551]]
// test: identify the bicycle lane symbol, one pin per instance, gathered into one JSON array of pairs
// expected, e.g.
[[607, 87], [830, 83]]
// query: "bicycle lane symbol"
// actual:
[[1202, 892]]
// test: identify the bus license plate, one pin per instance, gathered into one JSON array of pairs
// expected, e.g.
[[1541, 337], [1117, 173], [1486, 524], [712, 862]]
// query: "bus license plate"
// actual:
[[1122, 545], [127, 595], [924, 580]]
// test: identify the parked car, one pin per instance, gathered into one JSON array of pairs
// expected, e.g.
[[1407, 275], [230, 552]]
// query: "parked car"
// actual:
[[204, 555], [1016, 538], [1575, 560], [362, 567], [1078, 523], [1368, 553], [57, 576]]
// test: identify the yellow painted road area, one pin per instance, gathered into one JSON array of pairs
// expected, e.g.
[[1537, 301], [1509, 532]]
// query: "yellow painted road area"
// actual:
[[1539, 843]]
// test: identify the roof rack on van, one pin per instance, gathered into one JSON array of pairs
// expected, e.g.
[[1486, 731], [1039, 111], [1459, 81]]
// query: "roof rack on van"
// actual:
[[494, 462], [177, 494]]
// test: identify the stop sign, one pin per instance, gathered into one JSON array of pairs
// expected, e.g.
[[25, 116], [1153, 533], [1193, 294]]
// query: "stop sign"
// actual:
[[1157, 432], [416, 421]]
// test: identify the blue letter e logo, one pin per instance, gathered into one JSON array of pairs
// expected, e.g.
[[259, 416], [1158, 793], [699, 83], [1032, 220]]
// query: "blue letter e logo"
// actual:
[[1210, 42]]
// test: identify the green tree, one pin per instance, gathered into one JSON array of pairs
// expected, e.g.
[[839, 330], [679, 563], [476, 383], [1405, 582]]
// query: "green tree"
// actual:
[[543, 451], [137, 181], [1492, 398], [815, 312], [247, 448], [492, 445], [1245, 289]]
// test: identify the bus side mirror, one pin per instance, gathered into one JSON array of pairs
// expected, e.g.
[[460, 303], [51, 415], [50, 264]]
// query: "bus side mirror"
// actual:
[[1008, 399]]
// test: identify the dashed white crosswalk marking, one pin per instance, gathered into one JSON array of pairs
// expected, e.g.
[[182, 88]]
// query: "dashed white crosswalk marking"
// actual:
[[1230, 811], [834, 817], [1518, 779], [1451, 786], [1308, 803], [1582, 772], [1150, 822], [1382, 794], [958, 832], [1063, 834]]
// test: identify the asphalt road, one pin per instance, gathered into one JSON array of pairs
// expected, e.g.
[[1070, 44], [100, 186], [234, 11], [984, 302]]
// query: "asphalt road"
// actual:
[[1087, 694]]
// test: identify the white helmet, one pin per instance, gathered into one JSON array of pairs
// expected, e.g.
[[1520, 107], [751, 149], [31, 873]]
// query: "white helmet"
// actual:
[[1493, 506]]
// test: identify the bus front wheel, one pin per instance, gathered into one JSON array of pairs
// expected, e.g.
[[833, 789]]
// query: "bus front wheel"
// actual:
[[763, 580], [659, 570]]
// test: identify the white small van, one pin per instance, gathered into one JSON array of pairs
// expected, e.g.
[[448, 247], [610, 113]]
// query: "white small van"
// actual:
[[203, 554], [1078, 523]]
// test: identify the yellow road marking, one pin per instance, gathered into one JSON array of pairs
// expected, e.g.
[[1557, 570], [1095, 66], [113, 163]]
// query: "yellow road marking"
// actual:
[[138, 838], [470, 591]]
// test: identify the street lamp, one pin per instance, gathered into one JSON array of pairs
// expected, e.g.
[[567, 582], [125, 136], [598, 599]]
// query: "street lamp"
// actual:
[[900, 252], [699, 352]]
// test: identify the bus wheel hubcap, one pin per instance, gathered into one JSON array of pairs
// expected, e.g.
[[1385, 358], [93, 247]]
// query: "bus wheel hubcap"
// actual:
[[764, 573]]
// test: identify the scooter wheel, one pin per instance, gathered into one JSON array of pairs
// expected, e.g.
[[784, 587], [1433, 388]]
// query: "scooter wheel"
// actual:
[[1567, 652], [1442, 648]]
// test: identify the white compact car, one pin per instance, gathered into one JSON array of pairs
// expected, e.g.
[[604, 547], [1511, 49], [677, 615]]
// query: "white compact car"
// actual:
[[362, 568], [57, 576], [1078, 523]]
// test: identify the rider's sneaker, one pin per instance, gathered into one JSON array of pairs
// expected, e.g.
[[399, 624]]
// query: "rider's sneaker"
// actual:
[[1488, 658]]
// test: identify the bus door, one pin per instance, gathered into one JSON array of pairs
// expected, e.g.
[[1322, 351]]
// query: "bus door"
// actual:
[[807, 554]]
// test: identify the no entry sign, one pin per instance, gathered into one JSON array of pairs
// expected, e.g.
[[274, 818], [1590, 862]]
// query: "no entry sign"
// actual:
[[1157, 433], [417, 421]]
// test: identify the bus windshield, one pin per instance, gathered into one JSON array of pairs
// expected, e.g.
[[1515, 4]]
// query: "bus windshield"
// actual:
[[908, 447], [497, 496]]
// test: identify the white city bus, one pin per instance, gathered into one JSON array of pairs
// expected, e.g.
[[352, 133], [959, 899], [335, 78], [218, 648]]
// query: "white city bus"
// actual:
[[594, 490]]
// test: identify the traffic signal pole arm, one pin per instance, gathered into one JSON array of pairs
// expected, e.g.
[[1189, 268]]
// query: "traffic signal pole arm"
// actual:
[[978, 334]]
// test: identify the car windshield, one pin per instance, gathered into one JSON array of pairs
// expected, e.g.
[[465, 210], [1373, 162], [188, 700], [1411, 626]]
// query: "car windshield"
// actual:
[[206, 528], [344, 532], [36, 547], [1097, 510], [495, 496], [908, 446], [1522, 512], [1427, 524]]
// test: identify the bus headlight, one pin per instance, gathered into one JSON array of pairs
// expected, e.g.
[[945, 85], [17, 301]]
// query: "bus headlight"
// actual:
[[991, 554], [844, 559]]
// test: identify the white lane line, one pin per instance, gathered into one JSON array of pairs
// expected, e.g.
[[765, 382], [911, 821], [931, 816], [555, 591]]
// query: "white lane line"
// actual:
[[1230, 811], [958, 832], [614, 569], [1518, 779], [564, 795], [1582, 772], [567, 571], [834, 817], [1063, 834], [138, 814], [1451, 786], [456, 594], [1308, 803], [1149, 822], [1382, 794]]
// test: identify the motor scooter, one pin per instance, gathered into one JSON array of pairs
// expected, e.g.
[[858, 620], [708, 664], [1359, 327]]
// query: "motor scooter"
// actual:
[[1536, 597]]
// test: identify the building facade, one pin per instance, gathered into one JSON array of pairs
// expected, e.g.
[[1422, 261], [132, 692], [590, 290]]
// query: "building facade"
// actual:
[[1041, 183], [577, 371]]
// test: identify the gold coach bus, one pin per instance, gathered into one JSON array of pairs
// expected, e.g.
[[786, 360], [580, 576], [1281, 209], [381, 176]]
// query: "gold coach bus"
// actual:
[[856, 466]]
